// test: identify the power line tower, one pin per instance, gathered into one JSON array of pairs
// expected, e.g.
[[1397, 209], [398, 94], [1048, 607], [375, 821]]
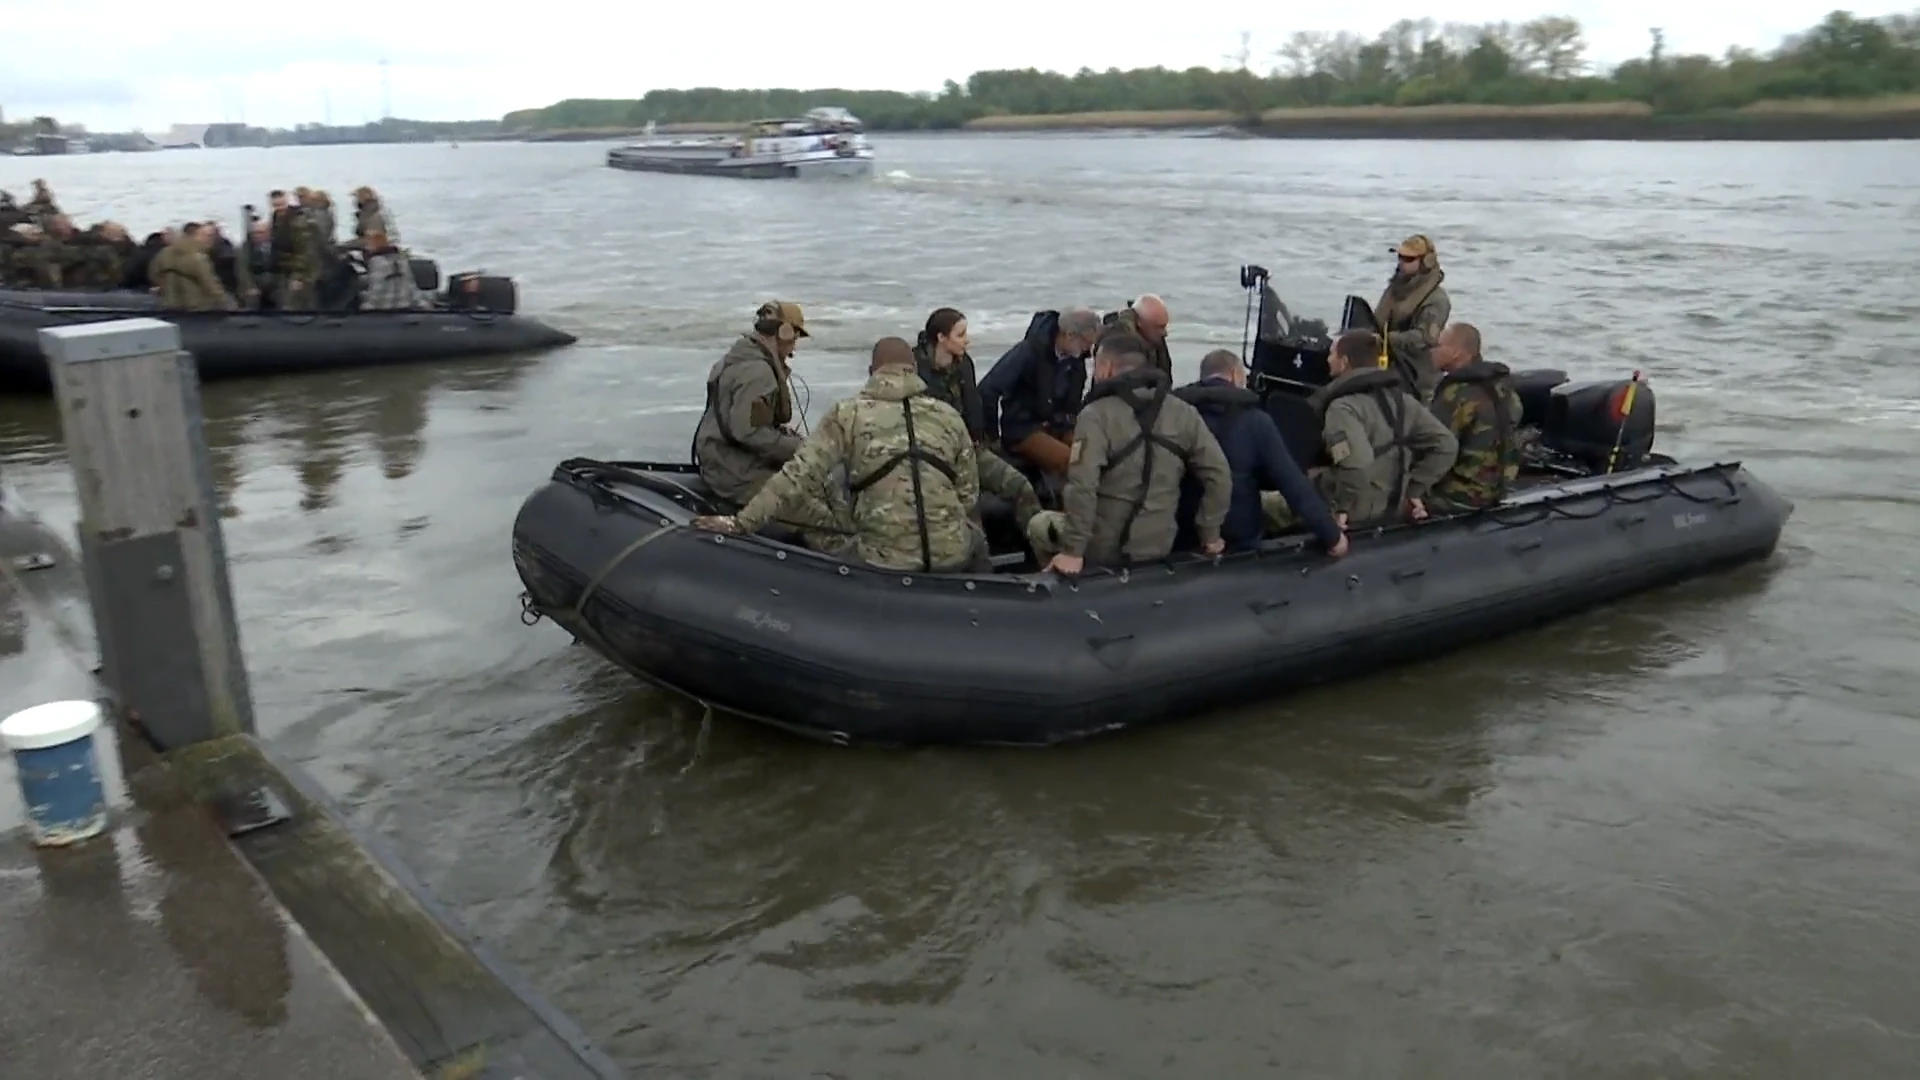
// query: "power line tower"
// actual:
[[386, 92], [1240, 58]]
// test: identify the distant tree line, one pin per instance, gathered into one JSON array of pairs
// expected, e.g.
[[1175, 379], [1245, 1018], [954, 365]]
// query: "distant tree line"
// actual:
[[1414, 62], [391, 130]]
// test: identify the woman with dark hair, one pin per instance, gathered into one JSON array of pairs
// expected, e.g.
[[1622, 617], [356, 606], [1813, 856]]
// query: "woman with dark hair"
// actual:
[[941, 356], [943, 364]]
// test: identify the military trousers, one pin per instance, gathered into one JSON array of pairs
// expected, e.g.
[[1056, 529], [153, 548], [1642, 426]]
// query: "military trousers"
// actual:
[[295, 294], [1278, 517]]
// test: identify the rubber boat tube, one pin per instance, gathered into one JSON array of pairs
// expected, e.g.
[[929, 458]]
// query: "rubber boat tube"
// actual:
[[851, 654], [232, 344]]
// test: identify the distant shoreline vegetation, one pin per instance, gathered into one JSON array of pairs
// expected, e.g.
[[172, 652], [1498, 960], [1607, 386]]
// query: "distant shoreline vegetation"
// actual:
[[1848, 77]]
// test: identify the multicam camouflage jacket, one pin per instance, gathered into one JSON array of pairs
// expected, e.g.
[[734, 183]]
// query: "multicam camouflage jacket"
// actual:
[[911, 477]]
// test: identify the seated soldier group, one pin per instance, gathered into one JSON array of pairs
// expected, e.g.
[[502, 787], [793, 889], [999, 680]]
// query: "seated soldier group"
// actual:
[[1413, 422]]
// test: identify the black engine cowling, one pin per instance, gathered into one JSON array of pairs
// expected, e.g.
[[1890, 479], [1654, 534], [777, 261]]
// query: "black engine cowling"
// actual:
[[1585, 421], [481, 292], [426, 275], [1535, 388]]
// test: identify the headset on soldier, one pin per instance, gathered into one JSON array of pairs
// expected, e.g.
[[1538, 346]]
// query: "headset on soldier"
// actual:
[[771, 320]]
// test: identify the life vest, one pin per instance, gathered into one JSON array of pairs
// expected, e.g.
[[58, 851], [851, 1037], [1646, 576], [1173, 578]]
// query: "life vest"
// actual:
[[1487, 378], [1389, 391], [1146, 414]]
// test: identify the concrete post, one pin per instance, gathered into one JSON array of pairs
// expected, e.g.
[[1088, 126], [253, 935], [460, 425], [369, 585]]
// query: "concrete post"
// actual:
[[156, 567]]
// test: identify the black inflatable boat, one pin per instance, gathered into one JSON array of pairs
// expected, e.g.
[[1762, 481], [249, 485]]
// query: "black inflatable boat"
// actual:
[[473, 316], [851, 654]]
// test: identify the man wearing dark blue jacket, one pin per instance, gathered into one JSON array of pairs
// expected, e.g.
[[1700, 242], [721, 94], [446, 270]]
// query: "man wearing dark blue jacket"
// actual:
[[1034, 392], [1259, 459]]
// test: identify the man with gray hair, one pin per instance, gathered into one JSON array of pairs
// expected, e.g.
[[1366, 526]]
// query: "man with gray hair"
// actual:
[[1033, 393], [1146, 316], [1134, 444]]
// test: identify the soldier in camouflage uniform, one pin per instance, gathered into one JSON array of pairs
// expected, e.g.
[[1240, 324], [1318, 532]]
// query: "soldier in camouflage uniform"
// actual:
[[1413, 310], [104, 251], [65, 252], [184, 274], [370, 215], [1133, 443], [296, 262], [1147, 318], [1478, 403], [13, 243], [390, 285], [32, 261], [1387, 450], [746, 432], [910, 475], [41, 209], [319, 208]]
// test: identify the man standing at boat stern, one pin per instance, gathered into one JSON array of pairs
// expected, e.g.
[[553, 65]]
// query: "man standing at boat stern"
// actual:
[[1413, 310], [746, 433], [892, 470], [1133, 444]]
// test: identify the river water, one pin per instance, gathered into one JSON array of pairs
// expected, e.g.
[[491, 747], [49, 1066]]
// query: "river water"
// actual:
[[1671, 838]]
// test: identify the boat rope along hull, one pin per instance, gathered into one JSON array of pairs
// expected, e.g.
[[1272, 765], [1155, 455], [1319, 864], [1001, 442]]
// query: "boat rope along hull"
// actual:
[[232, 344], [857, 655]]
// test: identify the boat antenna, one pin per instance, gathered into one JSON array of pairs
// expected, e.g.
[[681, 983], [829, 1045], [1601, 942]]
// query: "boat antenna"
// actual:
[[1250, 279]]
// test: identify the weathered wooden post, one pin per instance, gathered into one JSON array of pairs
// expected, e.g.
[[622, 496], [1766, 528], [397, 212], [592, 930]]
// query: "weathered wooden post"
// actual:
[[156, 567]]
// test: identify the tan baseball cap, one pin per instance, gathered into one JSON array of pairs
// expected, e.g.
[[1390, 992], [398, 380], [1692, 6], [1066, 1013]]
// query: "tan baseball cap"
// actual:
[[785, 311], [1414, 247]]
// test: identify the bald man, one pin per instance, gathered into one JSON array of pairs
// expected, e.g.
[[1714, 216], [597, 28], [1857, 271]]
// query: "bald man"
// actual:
[[912, 481], [1146, 317], [1475, 398]]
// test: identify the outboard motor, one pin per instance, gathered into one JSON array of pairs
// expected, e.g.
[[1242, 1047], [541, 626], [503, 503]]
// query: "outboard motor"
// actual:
[[1585, 421], [426, 275], [481, 292], [1535, 388]]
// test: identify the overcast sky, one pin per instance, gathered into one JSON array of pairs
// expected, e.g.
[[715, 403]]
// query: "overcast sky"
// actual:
[[131, 63]]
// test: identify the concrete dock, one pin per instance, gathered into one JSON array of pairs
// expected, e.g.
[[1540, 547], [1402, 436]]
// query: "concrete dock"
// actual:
[[187, 943], [154, 951]]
